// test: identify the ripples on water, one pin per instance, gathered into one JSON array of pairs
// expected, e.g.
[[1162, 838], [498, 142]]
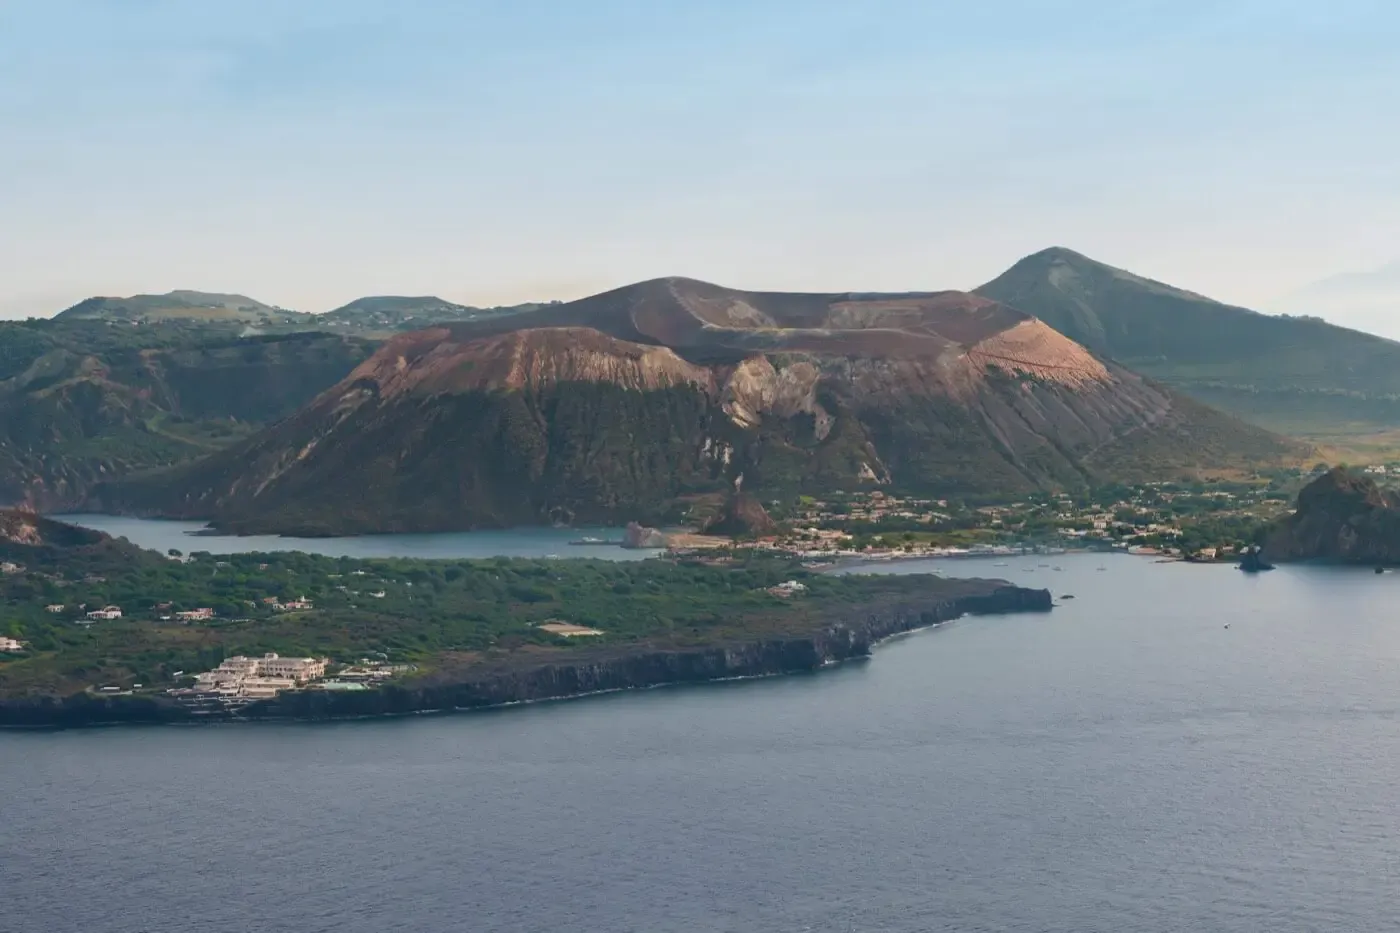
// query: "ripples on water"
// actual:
[[1125, 764]]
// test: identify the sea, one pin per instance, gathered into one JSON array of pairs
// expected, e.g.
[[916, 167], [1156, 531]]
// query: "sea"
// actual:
[[1176, 748]]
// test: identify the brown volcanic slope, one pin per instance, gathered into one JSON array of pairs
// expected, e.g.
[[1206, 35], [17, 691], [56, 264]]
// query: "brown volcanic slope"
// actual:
[[611, 407], [1293, 374]]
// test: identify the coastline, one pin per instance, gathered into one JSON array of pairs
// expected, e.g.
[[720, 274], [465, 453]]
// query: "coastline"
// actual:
[[513, 680]]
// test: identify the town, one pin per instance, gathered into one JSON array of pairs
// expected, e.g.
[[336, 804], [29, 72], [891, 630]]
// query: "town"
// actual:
[[1203, 521]]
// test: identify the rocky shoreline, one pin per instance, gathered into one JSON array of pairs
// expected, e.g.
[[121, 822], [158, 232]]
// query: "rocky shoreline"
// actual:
[[514, 679]]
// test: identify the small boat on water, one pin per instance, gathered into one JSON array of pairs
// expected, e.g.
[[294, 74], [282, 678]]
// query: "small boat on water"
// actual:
[[1001, 563], [1102, 568], [1068, 596], [586, 542]]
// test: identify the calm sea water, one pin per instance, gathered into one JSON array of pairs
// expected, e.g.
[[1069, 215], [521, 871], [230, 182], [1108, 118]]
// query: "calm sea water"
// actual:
[[161, 535], [1125, 764]]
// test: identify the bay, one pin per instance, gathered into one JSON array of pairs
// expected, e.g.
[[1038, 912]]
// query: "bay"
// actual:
[[162, 535], [1128, 763]]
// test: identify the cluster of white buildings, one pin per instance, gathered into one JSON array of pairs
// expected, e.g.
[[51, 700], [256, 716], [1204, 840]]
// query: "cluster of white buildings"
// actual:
[[259, 678], [106, 613]]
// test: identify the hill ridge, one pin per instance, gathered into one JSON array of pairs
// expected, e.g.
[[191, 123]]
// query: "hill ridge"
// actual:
[[1291, 374], [616, 406]]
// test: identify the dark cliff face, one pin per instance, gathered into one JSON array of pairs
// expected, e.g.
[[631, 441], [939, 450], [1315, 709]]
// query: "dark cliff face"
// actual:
[[1341, 516], [512, 679]]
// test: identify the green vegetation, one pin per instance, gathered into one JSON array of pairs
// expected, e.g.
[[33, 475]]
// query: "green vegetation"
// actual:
[[1296, 375], [1179, 518], [178, 305], [85, 401], [402, 610], [387, 314]]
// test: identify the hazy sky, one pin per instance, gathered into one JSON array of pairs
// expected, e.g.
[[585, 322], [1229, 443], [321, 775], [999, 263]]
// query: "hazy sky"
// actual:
[[309, 152]]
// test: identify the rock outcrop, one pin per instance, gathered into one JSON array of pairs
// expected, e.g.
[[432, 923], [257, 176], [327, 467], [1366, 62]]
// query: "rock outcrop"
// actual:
[[743, 516], [637, 536], [1341, 516]]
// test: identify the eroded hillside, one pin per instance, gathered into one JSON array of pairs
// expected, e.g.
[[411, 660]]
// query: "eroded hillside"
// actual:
[[614, 406]]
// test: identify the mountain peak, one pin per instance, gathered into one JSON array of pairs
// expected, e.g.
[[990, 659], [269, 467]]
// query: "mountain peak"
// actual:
[[1286, 373], [1053, 254]]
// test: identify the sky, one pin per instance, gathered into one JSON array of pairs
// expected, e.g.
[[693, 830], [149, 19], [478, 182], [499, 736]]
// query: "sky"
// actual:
[[493, 151]]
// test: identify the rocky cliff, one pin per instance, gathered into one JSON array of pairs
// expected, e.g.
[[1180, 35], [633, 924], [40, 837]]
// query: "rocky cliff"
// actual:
[[522, 677], [1341, 516], [613, 407]]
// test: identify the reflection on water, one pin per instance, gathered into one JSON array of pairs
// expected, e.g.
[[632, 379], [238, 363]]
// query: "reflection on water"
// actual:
[[161, 535]]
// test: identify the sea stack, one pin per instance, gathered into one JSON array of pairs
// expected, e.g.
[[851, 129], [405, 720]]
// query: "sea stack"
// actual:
[[1341, 516], [640, 536], [743, 517]]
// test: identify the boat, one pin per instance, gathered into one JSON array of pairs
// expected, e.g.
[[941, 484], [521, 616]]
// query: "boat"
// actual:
[[596, 542], [1068, 596], [1380, 570], [1001, 563]]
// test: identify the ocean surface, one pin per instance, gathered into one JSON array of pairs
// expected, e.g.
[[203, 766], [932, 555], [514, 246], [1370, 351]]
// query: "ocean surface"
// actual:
[[1179, 748], [162, 535]]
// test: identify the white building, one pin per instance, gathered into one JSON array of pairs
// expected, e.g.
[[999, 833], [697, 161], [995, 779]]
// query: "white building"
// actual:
[[106, 612], [239, 674], [297, 669], [10, 644]]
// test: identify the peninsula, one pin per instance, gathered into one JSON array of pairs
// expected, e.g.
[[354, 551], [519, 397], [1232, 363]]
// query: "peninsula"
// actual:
[[108, 632]]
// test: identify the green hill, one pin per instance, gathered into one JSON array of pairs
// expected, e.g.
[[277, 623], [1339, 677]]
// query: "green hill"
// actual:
[[83, 401], [1298, 375], [182, 303], [387, 313]]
